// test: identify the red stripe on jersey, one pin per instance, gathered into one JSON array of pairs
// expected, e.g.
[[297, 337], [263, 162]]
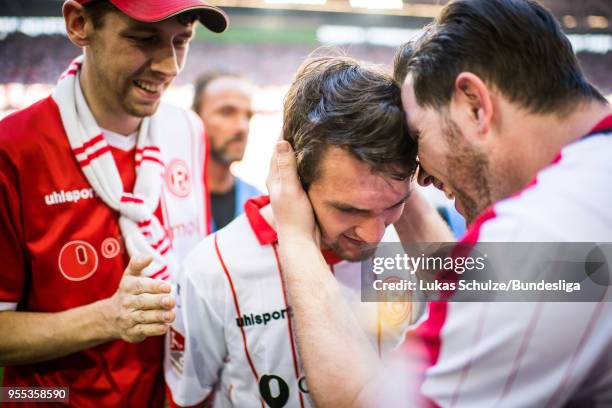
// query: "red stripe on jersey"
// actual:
[[145, 148], [162, 270], [144, 223], [158, 243], [131, 199], [289, 326], [93, 156], [88, 144], [69, 72], [151, 159], [604, 125], [238, 313], [72, 69], [164, 251], [208, 222]]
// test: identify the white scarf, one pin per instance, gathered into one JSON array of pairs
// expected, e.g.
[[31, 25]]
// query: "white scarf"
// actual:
[[141, 229]]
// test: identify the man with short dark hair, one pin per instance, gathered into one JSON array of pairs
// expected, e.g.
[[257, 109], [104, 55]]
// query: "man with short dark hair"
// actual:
[[223, 101], [506, 123], [95, 173], [234, 330]]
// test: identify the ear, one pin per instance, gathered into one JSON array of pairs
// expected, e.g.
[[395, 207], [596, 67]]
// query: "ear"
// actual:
[[472, 104], [77, 23]]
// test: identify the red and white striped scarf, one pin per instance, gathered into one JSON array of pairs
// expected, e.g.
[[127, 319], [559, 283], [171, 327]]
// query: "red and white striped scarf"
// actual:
[[142, 231]]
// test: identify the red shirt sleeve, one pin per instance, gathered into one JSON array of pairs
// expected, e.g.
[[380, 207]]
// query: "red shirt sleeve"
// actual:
[[12, 247]]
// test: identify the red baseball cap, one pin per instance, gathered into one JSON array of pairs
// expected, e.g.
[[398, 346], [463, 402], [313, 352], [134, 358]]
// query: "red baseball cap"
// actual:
[[151, 11]]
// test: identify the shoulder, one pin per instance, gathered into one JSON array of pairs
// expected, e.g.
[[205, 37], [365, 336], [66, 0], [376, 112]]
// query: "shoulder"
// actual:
[[567, 201], [31, 134], [40, 116]]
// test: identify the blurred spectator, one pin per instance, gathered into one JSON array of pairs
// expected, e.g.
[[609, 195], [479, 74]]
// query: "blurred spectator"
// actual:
[[224, 102]]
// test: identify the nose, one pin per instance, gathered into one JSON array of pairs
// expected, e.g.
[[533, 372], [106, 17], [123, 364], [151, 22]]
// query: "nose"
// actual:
[[423, 178], [371, 230], [165, 62]]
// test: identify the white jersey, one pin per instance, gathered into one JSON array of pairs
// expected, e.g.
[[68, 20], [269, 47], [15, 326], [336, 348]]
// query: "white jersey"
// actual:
[[233, 332], [531, 354]]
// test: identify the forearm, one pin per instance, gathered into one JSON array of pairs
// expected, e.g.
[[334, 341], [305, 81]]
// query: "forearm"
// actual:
[[420, 222], [338, 359], [27, 337]]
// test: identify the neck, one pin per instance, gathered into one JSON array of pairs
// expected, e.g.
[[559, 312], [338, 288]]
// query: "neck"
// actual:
[[106, 114], [220, 179], [536, 140]]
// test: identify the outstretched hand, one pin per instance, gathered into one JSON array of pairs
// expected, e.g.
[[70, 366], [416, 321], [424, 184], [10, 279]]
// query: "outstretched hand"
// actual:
[[292, 210], [141, 307]]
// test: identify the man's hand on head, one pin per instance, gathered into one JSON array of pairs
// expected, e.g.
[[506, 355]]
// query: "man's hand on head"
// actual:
[[141, 307], [293, 214]]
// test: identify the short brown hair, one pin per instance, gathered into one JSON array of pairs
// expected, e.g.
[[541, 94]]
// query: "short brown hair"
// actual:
[[338, 101], [516, 46]]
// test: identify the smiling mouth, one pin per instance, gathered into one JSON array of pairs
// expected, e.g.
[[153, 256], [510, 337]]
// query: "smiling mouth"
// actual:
[[147, 86]]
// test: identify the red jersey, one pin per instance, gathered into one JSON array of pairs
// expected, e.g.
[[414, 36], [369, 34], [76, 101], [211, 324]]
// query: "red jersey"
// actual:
[[62, 246]]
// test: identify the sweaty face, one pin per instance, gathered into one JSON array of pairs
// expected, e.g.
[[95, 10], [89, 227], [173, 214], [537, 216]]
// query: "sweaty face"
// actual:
[[447, 159], [226, 112], [353, 206], [134, 63]]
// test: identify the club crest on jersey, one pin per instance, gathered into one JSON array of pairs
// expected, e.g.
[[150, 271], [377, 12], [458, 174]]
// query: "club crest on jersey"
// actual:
[[178, 178]]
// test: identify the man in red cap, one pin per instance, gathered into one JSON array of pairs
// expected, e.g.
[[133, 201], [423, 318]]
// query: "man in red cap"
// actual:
[[97, 172]]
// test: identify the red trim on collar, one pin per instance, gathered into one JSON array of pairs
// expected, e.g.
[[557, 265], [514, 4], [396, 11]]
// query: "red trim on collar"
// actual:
[[330, 257], [264, 232], [604, 124]]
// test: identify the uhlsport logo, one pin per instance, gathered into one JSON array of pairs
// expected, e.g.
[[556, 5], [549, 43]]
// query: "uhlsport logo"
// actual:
[[261, 319], [178, 178], [69, 196]]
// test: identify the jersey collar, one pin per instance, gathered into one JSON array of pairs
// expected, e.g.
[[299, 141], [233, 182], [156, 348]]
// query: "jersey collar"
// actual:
[[604, 126], [266, 235]]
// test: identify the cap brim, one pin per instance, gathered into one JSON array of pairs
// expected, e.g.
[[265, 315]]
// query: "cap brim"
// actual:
[[151, 11]]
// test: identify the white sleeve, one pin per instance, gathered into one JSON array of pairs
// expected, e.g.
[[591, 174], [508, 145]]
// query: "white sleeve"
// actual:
[[195, 346]]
